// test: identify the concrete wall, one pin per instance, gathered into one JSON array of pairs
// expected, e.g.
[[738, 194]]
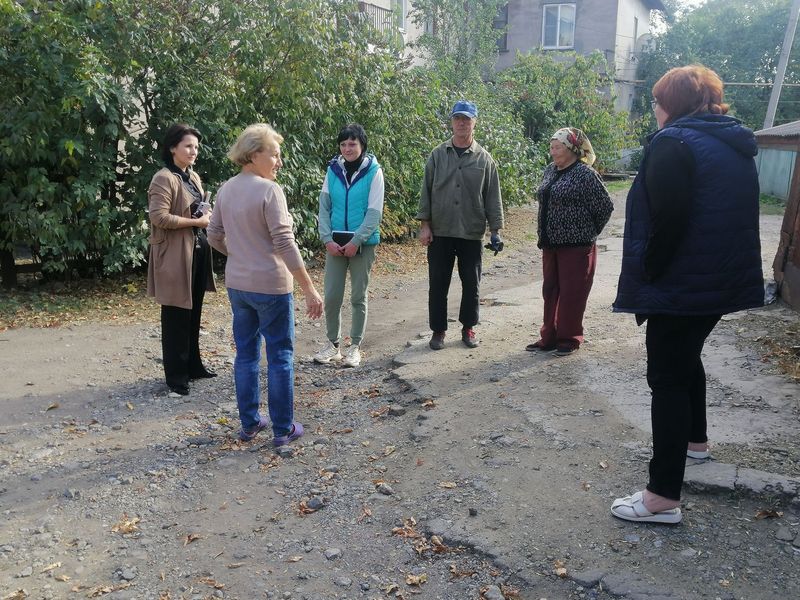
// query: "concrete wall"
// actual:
[[604, 25], [775, 170], [633, 26], [595, 22]]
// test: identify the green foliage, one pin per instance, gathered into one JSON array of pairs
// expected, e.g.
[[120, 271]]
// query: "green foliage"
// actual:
[[771, 205], [568, 92], [89, 87], [459, 39], [740, 40]]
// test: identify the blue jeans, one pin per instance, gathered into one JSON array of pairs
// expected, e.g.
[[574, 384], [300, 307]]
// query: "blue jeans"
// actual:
[[271, 316]]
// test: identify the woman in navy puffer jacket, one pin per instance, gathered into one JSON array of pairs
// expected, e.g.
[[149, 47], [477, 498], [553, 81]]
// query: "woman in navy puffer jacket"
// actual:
[[691, 254]]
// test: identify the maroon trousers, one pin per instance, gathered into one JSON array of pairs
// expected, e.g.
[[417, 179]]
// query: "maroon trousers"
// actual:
[[568, 274]]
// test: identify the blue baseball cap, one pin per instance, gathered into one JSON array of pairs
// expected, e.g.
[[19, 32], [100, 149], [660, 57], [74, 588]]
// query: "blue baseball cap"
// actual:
[[466, 108]]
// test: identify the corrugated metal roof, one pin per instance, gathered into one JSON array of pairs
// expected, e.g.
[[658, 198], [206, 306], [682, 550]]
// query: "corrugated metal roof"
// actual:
[[786, 130]]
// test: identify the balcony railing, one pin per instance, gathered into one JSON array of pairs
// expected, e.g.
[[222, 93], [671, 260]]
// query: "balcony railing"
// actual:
[[383, 20]]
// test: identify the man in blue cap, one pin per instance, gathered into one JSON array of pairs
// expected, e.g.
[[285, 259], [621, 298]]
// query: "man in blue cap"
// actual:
[[460, 194]]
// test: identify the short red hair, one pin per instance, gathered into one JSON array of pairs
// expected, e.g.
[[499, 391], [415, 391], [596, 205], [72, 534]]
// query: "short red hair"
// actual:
[[688, 90]]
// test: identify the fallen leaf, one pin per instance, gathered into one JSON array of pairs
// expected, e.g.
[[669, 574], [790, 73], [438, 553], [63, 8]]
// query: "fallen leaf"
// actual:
[[102, 590], [388, 450], [20, 594], [448, 485], [223, 421], [379, 413], [407, 530], [510, 593], [235, 565], [373, 392], [190, 538], [768, 514], [429, 404], [560, 568], [303, 509], [212, 583], [50, 567], [294, 559], [129, 405], [456, 572], [62, 577], [52, 406], [164, 596], [345, 430], [365, 512], [389, 588], [126, 525], [724, 583], [438, 545], [365, 443], [417, 580]]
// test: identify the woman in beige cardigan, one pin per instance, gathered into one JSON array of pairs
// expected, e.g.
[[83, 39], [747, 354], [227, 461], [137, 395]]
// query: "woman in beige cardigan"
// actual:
[[179, 268]]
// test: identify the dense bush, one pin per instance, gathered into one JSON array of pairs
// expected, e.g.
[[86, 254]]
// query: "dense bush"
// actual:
[[547, 94], [90, 85]]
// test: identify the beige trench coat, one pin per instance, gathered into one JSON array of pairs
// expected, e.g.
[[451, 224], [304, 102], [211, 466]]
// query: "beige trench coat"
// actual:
[[169, 269]]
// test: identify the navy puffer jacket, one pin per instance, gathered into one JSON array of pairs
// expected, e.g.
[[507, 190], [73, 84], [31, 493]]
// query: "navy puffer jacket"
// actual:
[[717, 266]]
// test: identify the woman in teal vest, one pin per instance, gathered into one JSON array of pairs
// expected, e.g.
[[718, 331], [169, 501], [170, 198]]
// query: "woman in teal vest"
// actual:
[[350, 211]]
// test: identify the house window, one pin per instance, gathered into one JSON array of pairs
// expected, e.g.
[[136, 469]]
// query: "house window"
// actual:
[[400, 9], [501, 22], [558, 26]]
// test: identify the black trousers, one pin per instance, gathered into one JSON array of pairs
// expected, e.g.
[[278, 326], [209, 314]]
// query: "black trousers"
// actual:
[[180, 327], [442, 254], [677, 381]]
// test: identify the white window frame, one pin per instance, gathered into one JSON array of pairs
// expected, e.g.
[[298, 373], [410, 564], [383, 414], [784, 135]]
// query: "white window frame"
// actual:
[[558, 23]]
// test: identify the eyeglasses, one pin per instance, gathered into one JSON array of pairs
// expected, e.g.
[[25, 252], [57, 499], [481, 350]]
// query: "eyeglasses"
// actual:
[[653, 103]]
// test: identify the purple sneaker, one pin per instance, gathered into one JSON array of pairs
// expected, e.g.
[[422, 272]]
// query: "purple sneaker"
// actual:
[[246, 436], [296, 432]]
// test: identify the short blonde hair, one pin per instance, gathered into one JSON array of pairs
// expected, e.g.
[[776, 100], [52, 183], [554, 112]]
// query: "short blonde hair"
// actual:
[[255, 138]]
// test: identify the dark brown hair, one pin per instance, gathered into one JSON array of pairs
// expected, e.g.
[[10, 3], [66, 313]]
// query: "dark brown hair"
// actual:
[[688, 90], [173, 137]]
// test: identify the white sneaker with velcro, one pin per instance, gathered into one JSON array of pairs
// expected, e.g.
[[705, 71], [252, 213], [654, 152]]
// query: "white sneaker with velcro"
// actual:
[[352, 358], [327, 354]]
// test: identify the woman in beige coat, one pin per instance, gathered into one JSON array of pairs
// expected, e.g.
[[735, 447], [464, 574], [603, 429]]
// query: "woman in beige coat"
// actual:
[[179, 268]]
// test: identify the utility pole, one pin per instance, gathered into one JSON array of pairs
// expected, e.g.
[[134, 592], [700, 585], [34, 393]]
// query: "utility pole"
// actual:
[[791, 27]]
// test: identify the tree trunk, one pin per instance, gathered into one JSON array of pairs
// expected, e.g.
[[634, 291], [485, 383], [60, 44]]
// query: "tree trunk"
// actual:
[[8, 269]]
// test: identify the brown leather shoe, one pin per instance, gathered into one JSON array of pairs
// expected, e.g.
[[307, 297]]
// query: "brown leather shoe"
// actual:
[[437, 340]]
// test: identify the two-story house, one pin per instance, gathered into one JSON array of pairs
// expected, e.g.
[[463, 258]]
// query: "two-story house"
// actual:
[[618, 28]]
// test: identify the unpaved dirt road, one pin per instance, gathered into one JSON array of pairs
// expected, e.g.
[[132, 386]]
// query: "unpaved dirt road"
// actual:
[[454, 475]]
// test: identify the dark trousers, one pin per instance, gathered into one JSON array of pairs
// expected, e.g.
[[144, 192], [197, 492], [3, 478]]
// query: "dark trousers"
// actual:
[[567, 277], [180, 328], [443, 252], [677, 381]]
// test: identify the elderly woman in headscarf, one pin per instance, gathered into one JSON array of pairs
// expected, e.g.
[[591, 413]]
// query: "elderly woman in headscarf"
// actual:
[[574, 206]]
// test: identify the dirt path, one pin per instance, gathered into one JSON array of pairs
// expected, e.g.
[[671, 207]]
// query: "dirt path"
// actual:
[[444, 475]]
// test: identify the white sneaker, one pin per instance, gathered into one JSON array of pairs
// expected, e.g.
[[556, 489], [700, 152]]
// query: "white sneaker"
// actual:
[[352, 357], [327, 354]]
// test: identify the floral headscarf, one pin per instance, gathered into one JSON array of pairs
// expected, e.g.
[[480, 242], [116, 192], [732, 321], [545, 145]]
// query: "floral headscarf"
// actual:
[[577, 142]]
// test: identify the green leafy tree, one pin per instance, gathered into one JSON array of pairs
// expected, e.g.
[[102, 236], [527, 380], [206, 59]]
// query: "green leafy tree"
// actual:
[[459, 39], [549, 94], [740, 40]]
